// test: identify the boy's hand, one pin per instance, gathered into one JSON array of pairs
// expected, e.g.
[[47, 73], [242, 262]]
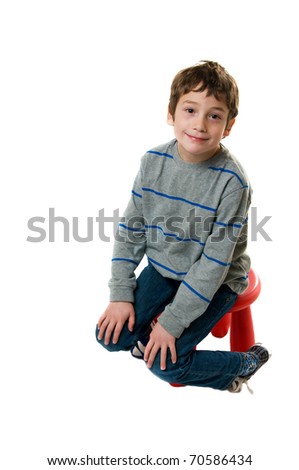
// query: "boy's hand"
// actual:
[[113, 319], [160, 339]]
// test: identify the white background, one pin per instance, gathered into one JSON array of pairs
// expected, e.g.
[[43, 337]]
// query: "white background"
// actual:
[[84, 92]]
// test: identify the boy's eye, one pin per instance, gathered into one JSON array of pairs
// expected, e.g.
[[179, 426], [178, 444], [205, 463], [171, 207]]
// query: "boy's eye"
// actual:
[[190, 110], [214, 116]]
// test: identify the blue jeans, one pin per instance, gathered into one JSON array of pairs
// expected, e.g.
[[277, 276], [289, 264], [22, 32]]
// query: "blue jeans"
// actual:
[[215, 369]]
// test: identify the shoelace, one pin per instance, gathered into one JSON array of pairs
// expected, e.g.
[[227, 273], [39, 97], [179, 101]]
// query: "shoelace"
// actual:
[[239, 384], [248, 388]]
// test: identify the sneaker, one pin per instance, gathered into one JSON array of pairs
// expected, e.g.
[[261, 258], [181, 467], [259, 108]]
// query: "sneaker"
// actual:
[[263, 356], [137, 351]]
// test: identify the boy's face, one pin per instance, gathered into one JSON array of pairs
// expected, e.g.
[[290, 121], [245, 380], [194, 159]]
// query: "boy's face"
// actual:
[[199, 122]]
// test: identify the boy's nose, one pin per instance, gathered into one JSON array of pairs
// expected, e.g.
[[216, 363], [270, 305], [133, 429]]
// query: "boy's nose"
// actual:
[[200, 124]]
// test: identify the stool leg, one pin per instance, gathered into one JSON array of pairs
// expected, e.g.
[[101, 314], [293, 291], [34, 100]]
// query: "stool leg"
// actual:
[[222, 327], [241, 331]]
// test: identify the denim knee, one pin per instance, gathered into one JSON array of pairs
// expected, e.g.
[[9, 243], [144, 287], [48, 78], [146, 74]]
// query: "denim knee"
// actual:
[[119, 346], [172, 373]]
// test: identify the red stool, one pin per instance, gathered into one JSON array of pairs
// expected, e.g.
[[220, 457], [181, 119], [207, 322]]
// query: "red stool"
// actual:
[[239, 319]]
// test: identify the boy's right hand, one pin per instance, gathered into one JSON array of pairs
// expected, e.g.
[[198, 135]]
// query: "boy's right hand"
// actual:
[[113, 319]]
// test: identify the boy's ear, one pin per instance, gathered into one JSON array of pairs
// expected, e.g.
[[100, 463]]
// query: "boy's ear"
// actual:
[[229, 127], [170, 119]]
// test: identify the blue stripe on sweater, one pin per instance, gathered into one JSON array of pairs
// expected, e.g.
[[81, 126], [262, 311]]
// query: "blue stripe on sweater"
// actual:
[[160, 154], [132, 229], [216, 260], [224, 170], [165, 267], [125, 259], [167, 234], [228, 225], [195, 292], [176, 198], [136, 194]]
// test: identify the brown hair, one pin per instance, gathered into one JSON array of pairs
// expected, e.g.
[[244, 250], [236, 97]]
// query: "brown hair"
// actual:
[[206, 75]]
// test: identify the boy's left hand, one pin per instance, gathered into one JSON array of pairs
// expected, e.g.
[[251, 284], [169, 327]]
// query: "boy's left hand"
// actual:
[[160, 339]]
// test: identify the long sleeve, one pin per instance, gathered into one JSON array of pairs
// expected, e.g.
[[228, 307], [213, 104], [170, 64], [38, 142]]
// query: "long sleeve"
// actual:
[[129, 247], [226, 241]]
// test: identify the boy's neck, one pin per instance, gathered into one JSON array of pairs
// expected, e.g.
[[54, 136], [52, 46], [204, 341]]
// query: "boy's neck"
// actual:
[[189, 158]]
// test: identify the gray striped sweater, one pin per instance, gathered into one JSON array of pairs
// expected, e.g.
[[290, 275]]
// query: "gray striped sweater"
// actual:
[[190, 220]]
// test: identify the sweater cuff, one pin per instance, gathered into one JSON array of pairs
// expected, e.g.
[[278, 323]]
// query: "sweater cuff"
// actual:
[[121, 294], [171, 324]]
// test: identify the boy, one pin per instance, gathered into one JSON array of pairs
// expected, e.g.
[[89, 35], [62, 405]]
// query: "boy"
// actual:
[[188, 215]]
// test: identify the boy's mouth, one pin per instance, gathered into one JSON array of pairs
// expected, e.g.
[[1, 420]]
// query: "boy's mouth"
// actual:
[[196, 138]]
